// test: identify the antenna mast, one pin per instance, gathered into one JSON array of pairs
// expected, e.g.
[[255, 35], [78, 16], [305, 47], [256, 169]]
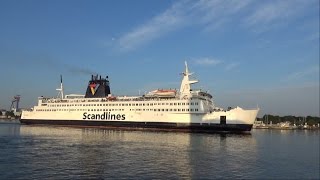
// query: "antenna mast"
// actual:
[[60, 93], [186, 82]]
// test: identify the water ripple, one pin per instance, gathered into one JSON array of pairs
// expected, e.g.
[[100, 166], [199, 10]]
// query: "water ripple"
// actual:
[[37, 152]]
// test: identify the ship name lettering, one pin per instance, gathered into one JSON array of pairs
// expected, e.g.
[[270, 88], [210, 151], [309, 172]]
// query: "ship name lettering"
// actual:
[[104, 116]]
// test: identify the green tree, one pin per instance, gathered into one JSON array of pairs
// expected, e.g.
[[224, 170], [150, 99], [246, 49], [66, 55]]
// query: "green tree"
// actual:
[[10, 113], [271, 118], [312, 120], [298, 120]]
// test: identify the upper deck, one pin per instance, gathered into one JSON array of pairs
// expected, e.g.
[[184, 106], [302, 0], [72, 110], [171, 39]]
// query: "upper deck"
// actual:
[[99, 94]]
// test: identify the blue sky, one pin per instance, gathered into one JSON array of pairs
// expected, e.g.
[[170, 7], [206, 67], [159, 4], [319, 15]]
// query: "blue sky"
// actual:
[[245, 53]]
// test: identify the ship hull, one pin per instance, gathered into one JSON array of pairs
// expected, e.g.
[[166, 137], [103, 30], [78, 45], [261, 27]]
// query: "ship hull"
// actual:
[[166, 126]]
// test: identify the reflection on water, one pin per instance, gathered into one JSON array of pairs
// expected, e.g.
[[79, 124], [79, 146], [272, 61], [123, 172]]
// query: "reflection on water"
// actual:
[[9, 129], [59, 152], [150, 154]]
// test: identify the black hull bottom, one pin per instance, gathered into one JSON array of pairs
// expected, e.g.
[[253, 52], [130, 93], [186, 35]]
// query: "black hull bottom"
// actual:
[[193, 127]]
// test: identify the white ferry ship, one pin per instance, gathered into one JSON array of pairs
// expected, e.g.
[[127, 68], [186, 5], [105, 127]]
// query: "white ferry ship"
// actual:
[[186, 109]]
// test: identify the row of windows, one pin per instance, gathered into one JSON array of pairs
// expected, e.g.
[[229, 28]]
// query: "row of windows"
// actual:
[[130, 104], [164, 110], [117, 110], [45, 100], [80, 110]]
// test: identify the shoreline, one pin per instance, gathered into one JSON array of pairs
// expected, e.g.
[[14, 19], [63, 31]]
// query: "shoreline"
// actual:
[[287, 128]]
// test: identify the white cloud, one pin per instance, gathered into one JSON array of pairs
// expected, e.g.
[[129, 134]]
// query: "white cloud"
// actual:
[[207, 61], [311, 71], [209, 13], [274, 13], [161, 24], [231, 66], [212, 11], [314, 36], [212, 15]]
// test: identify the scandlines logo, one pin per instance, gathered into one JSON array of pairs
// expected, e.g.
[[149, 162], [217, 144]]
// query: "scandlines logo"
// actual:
[[93, 88]]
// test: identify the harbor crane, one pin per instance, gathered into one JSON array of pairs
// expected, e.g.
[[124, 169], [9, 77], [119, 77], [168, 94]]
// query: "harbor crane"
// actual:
[[15, 103]]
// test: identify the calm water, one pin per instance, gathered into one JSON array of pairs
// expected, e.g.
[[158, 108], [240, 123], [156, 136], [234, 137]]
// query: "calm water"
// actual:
[[37, 152]]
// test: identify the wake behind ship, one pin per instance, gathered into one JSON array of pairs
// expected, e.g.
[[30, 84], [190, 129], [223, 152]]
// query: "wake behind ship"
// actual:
[[168, 109]]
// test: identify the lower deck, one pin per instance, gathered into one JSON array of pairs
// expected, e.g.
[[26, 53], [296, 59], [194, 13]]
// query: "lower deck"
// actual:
[[190, 127]]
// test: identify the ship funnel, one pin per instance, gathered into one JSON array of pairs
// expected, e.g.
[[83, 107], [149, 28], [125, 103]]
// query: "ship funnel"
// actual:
[[98, 87]]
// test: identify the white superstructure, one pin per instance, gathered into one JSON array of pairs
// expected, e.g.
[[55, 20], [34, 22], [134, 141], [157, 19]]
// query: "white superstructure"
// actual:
[[186, 109]]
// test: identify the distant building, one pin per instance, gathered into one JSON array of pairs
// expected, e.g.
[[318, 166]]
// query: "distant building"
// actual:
[[285, 124], [3, 113], [17, 113]]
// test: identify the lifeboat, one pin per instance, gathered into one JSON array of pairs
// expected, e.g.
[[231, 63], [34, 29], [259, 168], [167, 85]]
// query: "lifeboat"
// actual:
[[111, 98], [163, 93]]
